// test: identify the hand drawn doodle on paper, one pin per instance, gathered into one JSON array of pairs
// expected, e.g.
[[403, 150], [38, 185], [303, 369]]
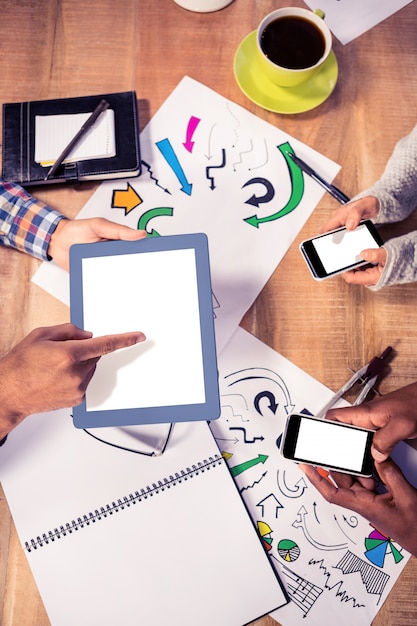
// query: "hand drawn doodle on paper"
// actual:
[[378, 546], [257, 395], [302, 592], [246, 465], [245, 438], [219, 165], [264, 162], [269, 194], [236, 126], [127, 199], [270, 506], [233, 440], [234, 407], [293, 491], [152, 177], [145, 218], [304, 522], [353, 521], [373, 579], [336, 519], [209, 154], [272, 405], [297, 190], [265, 532], [337, 587], [288, 550], [170, 156], [242, 152], [255, 482], [263, 377], [193, 122]]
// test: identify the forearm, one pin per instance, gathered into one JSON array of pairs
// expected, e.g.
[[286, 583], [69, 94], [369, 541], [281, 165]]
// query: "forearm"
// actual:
[[401, 263], [26, 223], [396, 190]]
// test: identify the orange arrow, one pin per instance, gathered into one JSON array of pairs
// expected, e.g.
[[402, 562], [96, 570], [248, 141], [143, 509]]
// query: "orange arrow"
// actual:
[[126, 199]]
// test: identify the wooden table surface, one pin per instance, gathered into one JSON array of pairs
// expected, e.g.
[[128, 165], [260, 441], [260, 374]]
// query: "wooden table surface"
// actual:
[[60, 48]]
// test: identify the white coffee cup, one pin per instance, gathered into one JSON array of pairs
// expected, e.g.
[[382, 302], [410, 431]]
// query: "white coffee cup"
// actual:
[[203, 6], [276, 48]]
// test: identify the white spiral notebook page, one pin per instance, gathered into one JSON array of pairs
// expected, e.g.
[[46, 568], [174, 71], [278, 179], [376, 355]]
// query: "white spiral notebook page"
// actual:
[[161, 540]]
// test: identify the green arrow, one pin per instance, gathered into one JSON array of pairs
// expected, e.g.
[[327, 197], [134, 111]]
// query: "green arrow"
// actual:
[[297, 189], [146, 217], [238, 469]]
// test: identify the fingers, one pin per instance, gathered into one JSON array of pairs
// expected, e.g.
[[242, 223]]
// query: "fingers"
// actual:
[[105, 229], [90, 230], [377, 256], [353, 496], [324, 486], [348, 481], [337, 220], [60, 332], [352, 213], [99, 346], [385, 440], [395, 481], [359, 415], [367, 277], [354, 216]]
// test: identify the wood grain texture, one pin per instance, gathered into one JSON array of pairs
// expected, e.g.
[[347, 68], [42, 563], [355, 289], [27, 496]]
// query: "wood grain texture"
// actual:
[[60, 48]]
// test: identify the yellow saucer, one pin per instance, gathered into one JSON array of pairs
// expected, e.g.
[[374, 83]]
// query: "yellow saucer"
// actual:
[[258, 88]]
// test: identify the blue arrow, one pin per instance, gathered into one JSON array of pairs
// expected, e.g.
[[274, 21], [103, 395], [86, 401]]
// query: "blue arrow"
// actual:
[[171, 158]]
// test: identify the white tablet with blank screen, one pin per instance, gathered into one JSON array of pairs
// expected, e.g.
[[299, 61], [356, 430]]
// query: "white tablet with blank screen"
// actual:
[[160, 286]]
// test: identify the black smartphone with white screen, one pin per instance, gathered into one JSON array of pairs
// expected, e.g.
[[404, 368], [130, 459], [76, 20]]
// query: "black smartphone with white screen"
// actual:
[[339, 250], [328, 444]]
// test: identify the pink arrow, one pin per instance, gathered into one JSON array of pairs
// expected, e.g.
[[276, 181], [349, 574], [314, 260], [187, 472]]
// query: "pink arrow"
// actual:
[[192, 125]]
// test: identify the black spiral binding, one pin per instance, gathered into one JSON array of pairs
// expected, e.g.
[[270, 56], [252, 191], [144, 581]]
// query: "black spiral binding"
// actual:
[[115, 507]]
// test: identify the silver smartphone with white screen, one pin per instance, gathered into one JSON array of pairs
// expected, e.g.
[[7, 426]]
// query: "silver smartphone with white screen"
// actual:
[[328, 444], [339, 250]]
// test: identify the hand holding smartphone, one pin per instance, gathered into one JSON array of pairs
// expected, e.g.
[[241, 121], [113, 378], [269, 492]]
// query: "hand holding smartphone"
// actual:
[[339, 250], [331, 445]]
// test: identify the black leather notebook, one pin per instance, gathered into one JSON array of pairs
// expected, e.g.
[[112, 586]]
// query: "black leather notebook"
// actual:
[[35, 133]]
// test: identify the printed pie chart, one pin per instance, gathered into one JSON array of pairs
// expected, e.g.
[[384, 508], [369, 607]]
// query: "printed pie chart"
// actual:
[[288, 550], [377, 546]]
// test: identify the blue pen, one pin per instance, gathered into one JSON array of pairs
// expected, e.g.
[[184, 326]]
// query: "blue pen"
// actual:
[[331, 189]]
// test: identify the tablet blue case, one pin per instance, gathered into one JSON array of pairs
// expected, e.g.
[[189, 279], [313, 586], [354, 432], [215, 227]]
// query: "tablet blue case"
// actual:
[[209, 408]]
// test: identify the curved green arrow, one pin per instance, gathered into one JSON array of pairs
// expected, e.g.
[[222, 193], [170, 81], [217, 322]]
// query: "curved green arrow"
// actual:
[[146, 217], [297, 189]]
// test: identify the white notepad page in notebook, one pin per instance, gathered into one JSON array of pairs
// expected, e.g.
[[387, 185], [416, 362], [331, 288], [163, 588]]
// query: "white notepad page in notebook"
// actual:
[[53, 133], [118, 538]]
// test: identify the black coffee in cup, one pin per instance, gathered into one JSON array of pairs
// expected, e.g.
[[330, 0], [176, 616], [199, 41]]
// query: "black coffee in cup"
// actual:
[[293, 42]]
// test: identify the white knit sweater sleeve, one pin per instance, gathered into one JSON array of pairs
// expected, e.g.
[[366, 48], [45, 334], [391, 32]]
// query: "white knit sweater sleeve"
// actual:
[[396, 191]]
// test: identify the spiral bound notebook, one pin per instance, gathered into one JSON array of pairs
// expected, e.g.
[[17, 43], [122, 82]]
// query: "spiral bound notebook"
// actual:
[[114, 537]]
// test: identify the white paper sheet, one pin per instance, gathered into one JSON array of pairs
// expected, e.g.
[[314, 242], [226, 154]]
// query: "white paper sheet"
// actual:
[[347, 19], [209, 166], [331, 560]]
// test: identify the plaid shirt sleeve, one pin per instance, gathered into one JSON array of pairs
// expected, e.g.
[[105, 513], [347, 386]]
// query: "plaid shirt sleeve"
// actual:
[[25, 222]]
